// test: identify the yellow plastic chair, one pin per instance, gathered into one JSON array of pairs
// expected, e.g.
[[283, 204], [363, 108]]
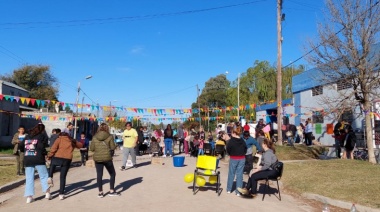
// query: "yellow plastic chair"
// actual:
[[206, 163]]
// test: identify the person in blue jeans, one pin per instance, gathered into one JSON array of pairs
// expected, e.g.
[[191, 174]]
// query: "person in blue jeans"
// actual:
[[34, 149], [168, 140], [236, 149]]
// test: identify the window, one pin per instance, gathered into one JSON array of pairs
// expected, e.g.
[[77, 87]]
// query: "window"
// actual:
[[317, 91], [347, 116], [343, 84], [318, 117]]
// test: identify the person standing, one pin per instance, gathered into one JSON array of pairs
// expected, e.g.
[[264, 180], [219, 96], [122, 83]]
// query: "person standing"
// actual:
[[54, 135], [61, 154], [338, 137], [250, 142], [34, 149], [19, 138], [181, 137], [236, 148], [84, 150], [140, 140], [246, 127], [168, 140], [102, 143], [130, 138], [69, 130], [308, 132]]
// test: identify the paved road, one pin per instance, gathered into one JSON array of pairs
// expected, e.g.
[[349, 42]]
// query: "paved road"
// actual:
[[147, 188]]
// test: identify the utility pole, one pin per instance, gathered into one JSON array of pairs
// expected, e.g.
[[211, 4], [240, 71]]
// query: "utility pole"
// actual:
[[199, 107], [238, 95], [279, 73]]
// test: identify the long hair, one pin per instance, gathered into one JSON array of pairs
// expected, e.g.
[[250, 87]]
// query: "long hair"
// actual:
[[104, 127], [38, 129], [269, 144], [169, 126]]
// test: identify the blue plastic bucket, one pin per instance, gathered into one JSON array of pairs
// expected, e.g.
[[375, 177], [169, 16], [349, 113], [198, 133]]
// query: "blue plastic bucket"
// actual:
[[178, 161]]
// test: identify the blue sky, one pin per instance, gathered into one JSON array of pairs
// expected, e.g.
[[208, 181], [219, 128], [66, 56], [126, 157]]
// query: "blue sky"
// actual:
[[155, 61]]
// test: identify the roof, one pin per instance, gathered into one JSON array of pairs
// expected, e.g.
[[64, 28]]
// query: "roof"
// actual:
[[13, 85], [273, 105], [310, 78]]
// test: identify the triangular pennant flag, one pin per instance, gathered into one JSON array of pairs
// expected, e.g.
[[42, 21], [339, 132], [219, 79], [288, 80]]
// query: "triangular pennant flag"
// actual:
[[38, 102], [22, 100], [33, 101], [1, 97]]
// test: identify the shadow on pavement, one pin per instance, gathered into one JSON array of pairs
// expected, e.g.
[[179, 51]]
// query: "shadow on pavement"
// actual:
[[75, 188], [127, 184]]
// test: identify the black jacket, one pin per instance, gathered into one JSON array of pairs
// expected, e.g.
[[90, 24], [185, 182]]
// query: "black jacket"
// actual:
[[168, 133], [236, 147], [34, 149]]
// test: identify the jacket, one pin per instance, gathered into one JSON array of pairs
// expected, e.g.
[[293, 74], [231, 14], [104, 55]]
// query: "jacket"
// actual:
[[15, 142], [63, 147], [52, 139], [34, 149], [236, 147], [101, 144], [168, 133], [268, 159], [250, 141]]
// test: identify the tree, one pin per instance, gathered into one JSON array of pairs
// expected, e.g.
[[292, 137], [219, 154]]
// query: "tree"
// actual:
[[348, 56], [37, 79]]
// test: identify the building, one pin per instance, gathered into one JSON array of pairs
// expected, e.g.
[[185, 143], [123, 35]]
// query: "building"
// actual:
[[10, 110]]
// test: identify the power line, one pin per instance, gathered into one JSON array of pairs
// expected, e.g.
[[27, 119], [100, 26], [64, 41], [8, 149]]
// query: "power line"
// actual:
[[119, 19], [12, 55], [320, 44]]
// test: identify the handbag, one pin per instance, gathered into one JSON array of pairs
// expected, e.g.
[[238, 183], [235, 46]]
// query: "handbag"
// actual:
[[276, 166]]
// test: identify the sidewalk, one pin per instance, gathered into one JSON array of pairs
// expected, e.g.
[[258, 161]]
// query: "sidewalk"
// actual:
[[146, 188]]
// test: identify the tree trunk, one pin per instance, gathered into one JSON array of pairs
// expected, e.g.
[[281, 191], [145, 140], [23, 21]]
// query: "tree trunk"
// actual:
[[368, 129]]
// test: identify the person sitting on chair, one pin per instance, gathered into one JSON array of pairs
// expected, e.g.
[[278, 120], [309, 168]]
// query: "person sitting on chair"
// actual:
[[263, 171]]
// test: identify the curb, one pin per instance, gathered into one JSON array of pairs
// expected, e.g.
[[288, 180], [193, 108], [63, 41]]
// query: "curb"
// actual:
[[15, 184], [338, 203]]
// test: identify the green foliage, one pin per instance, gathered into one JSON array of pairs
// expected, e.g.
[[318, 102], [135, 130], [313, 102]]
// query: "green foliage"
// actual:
[[117, 124], [37, 79]]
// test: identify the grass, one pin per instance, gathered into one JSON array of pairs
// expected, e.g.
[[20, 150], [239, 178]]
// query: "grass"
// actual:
[[348, 180], [298, 152], [6, 151], [8, 172]]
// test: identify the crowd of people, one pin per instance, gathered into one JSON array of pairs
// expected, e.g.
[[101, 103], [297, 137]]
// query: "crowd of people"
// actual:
[[237, 141]]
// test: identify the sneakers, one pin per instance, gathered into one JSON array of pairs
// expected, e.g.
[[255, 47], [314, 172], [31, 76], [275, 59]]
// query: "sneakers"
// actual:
[[243, 191], [61, 197], [48, 196], [228, 192], [113, 194], [101, 195], [122, 168], [164, 156], [237, 194], [29, 200], [50, 182]]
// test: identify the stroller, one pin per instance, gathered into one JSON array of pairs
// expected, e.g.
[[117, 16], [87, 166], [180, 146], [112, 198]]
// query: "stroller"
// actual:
[[154, 148]]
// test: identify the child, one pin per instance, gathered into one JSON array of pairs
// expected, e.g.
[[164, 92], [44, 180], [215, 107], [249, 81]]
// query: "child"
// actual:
[[17, 139], [84, 150], [200, 147], [154, 147], [211, 140]]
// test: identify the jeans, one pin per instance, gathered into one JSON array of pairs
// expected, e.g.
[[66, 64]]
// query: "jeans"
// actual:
[[235, 169], [337, 148], [168, 146], [65, 166], [84, 156], [308, 139], [99, 174], [260, 175], [126, 152], [20, 162], [181, 145], [29, 181], [248, 163], [200, 152]]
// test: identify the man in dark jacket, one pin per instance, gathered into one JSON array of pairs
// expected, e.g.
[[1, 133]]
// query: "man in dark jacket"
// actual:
[[140, 140]]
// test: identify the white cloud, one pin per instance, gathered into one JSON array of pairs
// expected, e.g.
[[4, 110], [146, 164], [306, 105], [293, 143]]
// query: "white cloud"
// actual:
[[137, 50]]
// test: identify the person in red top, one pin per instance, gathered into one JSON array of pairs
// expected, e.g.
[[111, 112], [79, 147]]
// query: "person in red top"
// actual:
[[246, 127]]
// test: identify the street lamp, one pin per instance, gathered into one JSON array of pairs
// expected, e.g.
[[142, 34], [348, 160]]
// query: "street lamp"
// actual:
[[76, 113], [111, 107]]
